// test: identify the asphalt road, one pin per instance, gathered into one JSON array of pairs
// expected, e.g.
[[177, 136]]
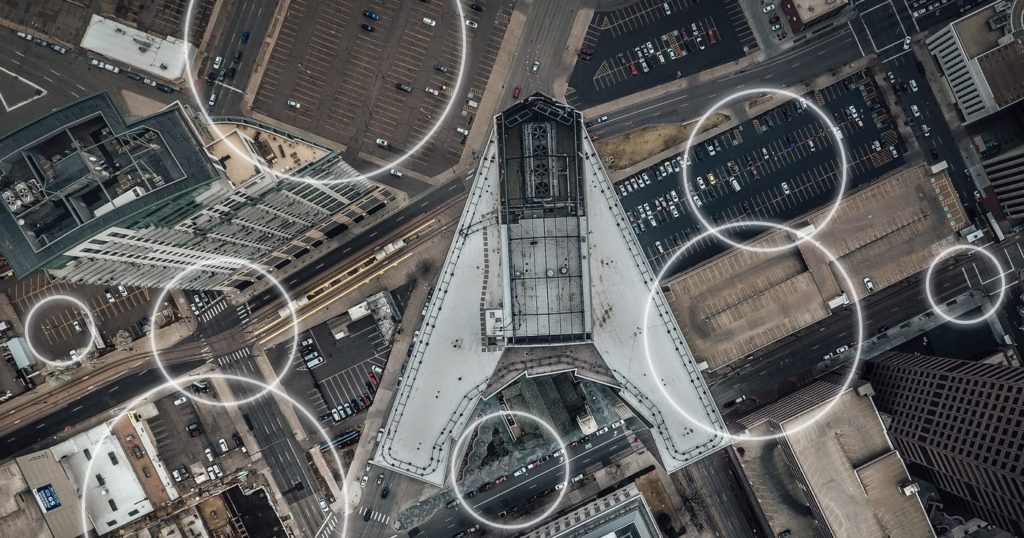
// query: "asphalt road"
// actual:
[[513, 494], [253, 17], [313, 271], [65, 78], [783, 367], [48, 430], [829, 50]]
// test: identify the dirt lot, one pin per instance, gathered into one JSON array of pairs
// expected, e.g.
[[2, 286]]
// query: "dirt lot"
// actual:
[[628, 149]]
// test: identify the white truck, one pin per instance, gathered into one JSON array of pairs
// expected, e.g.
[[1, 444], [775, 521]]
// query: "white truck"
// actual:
[[296, 304], [388, 249]]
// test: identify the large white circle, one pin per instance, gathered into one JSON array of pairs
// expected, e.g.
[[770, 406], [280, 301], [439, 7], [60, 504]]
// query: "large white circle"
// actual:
[[844, 174], [89, 321], [190, 78], [233, 261], [938, 309], [656, 286], [84, 489], [455, 458]]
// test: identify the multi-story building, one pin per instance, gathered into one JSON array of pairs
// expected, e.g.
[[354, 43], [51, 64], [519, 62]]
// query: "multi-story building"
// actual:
[[980, 56], [94, 199], [960, 425], [828, 471], [1005, 173], [623, 512]]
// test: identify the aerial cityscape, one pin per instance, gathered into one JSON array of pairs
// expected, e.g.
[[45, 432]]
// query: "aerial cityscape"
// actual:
[[512, 268]]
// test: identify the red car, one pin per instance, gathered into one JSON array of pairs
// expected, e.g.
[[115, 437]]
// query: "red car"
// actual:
[[501, 479], [773, 20], [373, 378], [632, 69], [515, 92], [711, 35], [367, 401]]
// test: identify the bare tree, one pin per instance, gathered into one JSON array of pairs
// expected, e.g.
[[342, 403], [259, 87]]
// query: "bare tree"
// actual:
[[123, 340]]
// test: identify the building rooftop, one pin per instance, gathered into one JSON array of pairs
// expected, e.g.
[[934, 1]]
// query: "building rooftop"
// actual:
[[55, 493], [81, 169], [977, 33], [115, 495], [162, 57], [914, 212], [274, 151], [595, 303], [623, 513], [843, 467], [809, 10], [1001, 67]]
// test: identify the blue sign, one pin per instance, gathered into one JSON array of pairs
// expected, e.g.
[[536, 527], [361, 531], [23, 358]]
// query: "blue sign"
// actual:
[[48, 497]]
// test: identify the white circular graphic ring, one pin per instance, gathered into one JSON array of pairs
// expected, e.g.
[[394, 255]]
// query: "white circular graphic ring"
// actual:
[[843, 165], [231, 261], [455, 458], [938, 308], [656, 287], [191, 80], [84, 487], [90, 323]]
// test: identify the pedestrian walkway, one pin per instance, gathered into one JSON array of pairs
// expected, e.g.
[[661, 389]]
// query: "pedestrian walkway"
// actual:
[[240, 354], [376, 516]]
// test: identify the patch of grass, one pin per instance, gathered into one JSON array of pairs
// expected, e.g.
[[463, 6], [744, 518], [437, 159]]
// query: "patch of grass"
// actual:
[[627, 149]]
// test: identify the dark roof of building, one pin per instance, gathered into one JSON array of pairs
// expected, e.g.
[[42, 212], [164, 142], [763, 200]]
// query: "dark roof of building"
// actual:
[[175, 153]]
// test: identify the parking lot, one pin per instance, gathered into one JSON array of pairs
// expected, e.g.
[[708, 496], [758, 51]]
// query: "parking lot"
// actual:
[[344, 375], [652, 42], [784, 164], [54, 325], [357, 86], [176, 445]]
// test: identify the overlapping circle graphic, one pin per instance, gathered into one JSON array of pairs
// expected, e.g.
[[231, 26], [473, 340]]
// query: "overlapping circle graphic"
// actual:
[[938, 309], [84, 487], [455, 458], [293, 347], [243, 153], [689, 194], [79, 353], [655, 288]]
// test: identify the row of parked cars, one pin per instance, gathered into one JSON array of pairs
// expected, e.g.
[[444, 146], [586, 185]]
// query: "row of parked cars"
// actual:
[[43, 43]]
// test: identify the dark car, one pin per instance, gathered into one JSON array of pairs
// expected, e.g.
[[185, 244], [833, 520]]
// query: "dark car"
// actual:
[[404, 87], [132, 76], [384, 492], [367, 401], [245, 37], [211, 77], [168, 89], [230, 74], [356, 404], [371, 15], [371, 388], [441, 68], [476, 7], [367, 27], [238, 56], [326, 417]]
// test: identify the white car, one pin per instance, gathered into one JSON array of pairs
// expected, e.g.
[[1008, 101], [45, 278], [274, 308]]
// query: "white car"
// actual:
[[364, 480], [181, 400], [472, 24], [223, 445], [768, 8], [209, 454], [74, 354], [700, 183], [785, 187], [429, 21], [432, 91], [913, 85], [294, 104], [383, 143], [869, 285], [696, 201], [77, 326], [520, 472], [534, 67], [217, 62], [906, 43], [323, 506], [396, 173]]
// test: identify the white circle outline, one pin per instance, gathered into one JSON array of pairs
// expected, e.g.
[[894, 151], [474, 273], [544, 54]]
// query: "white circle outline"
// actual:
[[295, 404], [465, 435], [656, 286], [833, 130], [194, 267], [190, 79], [931, 298], [89, 321]]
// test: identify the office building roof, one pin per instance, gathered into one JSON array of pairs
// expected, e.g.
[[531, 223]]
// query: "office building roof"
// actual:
[[54, 491], [843, 464], [623, 513], [81, 169], [162, 57], [587, 277]]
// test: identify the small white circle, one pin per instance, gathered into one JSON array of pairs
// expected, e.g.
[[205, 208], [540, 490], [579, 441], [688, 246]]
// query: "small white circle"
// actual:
[[938, 309], [231, 261], [843, 167], [656, 286], [90, 323], [84, 487], [455, 458], [190, 79]]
